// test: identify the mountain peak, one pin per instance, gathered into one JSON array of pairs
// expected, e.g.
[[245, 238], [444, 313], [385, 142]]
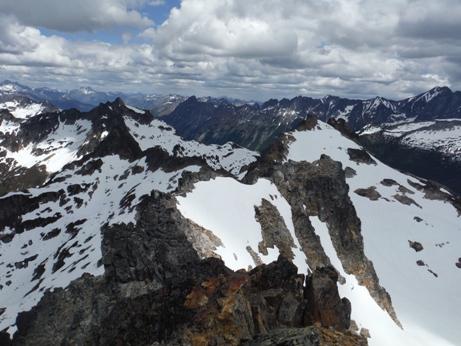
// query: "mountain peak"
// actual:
[[86, 90], [12, 87]]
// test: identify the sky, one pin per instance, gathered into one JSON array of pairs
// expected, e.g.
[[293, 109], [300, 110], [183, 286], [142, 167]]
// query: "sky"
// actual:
[[247, 49]]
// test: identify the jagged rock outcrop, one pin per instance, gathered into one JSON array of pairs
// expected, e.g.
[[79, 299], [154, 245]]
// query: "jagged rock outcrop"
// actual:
[[274, 230], [319, 189], [156, 289], [324, 305]]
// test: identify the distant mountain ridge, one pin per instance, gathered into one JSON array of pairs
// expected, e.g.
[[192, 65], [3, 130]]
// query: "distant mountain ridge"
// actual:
[[85, 98], [284, 114], [430, 149], [257, 126]]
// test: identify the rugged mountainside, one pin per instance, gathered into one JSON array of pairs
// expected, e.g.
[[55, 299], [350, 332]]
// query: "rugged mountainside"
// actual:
[[22, 107], [256, 127], [405, 134], [137, 236], [431, 149]]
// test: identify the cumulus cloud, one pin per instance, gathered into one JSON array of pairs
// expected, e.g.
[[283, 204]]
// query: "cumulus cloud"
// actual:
[[74, 16], [337, 46], [248, 49]]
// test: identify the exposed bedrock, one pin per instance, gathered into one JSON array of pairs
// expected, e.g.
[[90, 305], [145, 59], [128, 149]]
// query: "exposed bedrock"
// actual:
[[320, 189], [156, 289]]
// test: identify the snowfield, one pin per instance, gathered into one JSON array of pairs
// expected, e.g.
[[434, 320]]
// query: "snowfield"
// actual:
[[21, 112], [57, 149], [226, 207], [441, 135], [387, 226]]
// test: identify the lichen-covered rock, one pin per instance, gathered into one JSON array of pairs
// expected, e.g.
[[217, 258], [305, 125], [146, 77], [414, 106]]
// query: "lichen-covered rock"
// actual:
[[222, 312], [277, 295], [209, 305]]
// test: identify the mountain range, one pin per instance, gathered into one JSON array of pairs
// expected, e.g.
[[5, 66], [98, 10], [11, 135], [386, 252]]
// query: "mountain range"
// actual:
[[134, 235], [434, 138], [85, 98], [257, 126], [116, 230]]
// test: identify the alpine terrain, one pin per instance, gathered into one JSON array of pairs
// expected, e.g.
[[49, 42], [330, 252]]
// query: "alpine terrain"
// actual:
[[114, 230], [256, 126], [411, 146]]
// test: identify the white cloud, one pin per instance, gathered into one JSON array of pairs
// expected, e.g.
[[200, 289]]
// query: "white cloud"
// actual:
[[249, 49], [74, 16]]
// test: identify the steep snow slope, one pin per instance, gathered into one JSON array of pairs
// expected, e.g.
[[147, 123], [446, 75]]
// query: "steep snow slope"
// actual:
[[21, 111], [226, 207], [57, 149], [443, 136], [387, 226], [424, 297]]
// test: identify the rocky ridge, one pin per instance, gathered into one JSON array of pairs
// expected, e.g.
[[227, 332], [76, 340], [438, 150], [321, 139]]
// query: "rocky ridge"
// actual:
[[117, 254], [319, 189], [147, 264], [156, 289], [257, 126]]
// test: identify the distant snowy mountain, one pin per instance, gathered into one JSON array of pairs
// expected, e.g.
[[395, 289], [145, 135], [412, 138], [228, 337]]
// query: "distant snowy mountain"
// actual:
[[431, 149], [257, 126], [23, 108], [122, 240], [159, 105], [86, 98]]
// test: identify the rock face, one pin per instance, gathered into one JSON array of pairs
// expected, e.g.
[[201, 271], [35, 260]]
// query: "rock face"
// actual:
[[320, 189], [274, 230], [156, 289], [324, 304]]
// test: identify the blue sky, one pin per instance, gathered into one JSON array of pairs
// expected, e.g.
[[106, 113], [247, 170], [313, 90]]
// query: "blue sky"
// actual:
[[257, 49], [158, 13]]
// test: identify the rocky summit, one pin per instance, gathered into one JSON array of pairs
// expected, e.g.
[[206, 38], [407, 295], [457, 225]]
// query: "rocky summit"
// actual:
[[132, 235]]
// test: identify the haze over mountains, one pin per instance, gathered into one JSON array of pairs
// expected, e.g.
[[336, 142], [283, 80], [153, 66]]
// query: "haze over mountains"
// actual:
[[84, 98]]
